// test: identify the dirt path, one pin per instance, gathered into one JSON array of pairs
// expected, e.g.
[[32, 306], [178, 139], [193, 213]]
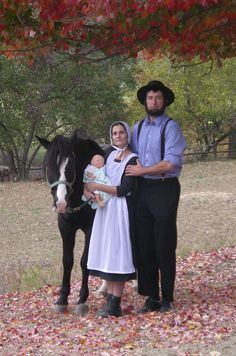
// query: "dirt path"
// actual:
[[206, 219], [207, 211]]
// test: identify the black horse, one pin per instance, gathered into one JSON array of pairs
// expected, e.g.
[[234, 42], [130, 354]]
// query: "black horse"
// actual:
[[65, 161]]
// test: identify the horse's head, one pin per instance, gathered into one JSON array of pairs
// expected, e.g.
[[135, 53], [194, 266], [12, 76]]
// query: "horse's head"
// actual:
[[60, 170], [65, 161]]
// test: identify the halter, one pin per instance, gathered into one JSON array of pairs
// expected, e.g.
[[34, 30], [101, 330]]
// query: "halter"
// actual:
[[69, 209], [58, 182], [70, 186]]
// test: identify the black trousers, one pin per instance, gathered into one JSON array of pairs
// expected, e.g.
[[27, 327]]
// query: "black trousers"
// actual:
[[156, 236]]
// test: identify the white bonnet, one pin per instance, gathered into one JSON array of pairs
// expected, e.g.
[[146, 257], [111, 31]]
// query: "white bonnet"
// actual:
[[127, 128]]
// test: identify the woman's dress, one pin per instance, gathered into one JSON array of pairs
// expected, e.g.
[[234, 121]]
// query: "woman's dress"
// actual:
[[110, 253]]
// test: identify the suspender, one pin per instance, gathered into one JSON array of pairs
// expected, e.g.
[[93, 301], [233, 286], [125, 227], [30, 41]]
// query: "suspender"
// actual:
[[139, 127], [162, 136]]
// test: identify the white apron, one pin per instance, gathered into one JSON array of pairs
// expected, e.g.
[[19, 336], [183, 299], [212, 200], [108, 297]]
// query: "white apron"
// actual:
[[110, 247]]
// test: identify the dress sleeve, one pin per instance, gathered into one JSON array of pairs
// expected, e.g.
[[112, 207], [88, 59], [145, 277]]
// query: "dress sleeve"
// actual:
[[127, 182]]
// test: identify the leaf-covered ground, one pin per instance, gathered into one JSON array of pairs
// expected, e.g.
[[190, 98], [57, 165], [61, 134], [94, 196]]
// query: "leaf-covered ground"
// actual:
[[205, 315]]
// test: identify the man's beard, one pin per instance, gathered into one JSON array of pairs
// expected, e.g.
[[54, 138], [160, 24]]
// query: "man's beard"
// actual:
[[155, 112]]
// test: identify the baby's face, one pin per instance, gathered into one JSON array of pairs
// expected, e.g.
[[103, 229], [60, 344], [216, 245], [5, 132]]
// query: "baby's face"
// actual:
[[97, 161]]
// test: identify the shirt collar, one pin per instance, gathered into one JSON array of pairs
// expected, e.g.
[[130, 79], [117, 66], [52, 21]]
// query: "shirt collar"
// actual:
[[158, 120]]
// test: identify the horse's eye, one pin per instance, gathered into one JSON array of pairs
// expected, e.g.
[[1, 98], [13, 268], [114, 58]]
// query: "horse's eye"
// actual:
[[53, 190]]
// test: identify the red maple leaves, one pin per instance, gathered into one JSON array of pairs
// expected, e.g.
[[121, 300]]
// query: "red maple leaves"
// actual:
[[204, 315], [183, 28]]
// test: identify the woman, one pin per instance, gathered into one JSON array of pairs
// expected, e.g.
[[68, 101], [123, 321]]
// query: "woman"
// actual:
[[110, 252]]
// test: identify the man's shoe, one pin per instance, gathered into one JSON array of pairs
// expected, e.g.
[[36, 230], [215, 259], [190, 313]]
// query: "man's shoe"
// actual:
[[150, 305], [167, 306]]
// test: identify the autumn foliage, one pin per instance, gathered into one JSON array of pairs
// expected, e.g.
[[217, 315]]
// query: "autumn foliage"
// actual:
[[204, 316], [183, 28]]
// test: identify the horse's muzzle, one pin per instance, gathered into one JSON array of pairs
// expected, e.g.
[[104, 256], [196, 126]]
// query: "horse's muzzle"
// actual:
[[61, 207]]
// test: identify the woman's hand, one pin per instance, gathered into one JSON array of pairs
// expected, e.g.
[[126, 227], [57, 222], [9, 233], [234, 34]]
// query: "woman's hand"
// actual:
[[91, 187], [88, 194], [134, 170]]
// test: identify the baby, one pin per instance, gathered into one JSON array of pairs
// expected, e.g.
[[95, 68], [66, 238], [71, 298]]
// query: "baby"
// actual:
[[95, 172]]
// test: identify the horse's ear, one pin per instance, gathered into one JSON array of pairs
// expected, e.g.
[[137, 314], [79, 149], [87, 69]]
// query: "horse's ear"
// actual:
[[45, 143]]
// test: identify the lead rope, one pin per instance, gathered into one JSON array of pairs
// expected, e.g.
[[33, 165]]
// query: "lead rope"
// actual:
[[78, 208]]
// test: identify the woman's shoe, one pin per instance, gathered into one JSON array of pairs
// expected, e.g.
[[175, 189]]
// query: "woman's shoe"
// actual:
[[104, 308], [113, 308]]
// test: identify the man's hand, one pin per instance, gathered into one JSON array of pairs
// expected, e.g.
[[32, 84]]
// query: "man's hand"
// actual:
[[134, 170]]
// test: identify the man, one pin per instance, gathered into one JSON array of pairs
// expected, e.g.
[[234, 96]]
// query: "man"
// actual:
[[159, 143]]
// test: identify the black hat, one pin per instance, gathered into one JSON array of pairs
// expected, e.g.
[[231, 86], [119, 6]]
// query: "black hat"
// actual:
[[155, 85]]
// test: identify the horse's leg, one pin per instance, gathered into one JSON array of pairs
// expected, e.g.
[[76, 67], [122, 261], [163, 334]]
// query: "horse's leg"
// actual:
[[81, 307], [68, 243]]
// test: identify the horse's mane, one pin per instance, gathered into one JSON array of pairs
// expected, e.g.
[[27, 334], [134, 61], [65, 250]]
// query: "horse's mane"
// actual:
[[79, 140], [60, 147]]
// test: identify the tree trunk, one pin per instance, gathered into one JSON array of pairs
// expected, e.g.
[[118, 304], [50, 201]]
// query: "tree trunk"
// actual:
[[215, 151], [11, 163], [232, 145]]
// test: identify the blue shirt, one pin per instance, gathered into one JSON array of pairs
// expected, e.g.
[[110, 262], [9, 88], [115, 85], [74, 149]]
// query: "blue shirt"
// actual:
[[148, 146]]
